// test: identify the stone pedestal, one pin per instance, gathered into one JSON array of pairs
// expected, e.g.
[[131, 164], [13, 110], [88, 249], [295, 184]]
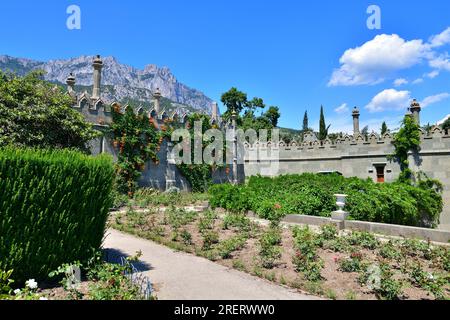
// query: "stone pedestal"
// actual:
[[339, 215]]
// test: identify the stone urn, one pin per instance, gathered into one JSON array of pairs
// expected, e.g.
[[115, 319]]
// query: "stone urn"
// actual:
[[340, 214]]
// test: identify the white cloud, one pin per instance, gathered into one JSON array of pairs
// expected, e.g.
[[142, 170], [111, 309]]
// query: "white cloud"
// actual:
[[400, 82], [443, 120], [441, 39], [433, 74], [343, 108], [417, 81], [378, 59], [440, 63], [389, 99], [434, 99]]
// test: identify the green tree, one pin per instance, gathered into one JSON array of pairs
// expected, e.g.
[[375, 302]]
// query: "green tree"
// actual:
[[446, 124], [255, 104], [384, 128], [407, 139], [365, 132], [234, 100], [137, 141], [273, 114], [198, 175], [323, 129], [36, 113], [305, 122]]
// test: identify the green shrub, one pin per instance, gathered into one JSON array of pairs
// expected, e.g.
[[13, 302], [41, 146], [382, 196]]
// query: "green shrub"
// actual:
[[54, 206], [312, 194], [352, 264], [270, 250]]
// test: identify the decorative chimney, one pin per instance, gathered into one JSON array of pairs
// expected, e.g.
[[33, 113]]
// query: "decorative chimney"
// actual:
[[215, 111], [157, 95], [415, 110], [355, 114], [98, 65], [70, 81]]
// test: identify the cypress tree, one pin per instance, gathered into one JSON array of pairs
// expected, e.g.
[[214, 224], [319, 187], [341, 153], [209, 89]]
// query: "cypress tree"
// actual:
[[323, 130], [305, 122], [384, 128]]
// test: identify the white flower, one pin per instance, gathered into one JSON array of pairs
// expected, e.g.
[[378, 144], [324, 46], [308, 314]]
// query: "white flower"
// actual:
[[17, 292], [32, 284], [43, 298], [430, 276]]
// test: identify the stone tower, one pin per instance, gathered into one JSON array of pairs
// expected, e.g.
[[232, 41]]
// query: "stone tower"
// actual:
[[415, 110], [215, 112], [98, 65], [157, 95], [71, 84], [355, 114]]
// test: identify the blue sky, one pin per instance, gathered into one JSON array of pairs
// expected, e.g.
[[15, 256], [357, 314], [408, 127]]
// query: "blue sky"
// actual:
[[293, 54]]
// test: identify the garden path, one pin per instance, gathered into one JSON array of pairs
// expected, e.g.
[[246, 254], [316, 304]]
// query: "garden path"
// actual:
[[181, 276]]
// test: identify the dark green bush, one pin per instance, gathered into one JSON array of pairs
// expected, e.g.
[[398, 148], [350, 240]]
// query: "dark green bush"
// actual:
[[53, 209], [312, 194]]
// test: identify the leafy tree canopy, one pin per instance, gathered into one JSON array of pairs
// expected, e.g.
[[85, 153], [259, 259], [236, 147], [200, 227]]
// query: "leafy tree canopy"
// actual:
[[36, 113]]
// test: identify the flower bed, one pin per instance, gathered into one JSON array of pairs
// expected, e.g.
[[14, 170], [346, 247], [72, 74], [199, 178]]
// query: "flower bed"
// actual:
[[338, 266]]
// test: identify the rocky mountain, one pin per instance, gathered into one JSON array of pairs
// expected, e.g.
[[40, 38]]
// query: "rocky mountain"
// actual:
[[121, 82]]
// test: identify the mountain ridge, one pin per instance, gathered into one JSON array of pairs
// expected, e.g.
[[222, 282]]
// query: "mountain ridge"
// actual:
[[129, 82]]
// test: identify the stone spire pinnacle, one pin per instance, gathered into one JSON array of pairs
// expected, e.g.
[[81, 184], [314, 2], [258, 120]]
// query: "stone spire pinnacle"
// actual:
[[70, 81], [157, 95], [98, 65], [355, 114]]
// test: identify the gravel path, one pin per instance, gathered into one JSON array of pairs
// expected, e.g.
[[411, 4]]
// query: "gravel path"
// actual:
[[181, 276]]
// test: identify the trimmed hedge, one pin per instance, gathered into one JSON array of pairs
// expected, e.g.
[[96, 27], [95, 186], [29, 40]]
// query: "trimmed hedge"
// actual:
[[312, 194], [53, 209]]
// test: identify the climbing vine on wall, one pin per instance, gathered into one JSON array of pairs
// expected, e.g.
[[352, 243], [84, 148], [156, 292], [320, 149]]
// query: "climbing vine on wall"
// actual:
[[137, 140], [407, 139], [199, 176]]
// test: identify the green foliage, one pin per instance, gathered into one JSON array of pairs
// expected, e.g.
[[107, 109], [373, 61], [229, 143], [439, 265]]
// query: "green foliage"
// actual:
[[110, 282], [323, 129], [270, 250], [273, 114], [35, 113], [234, 100], [389, 251], [137, 141], [405, 140], [389, 288], [227, 247], [311, 194], [428, 281], [54, 207], [239, 221], [199, 176], [384, 128], [446, 124], [366, 240], [210, 237], [305, 126], [351, 264], [306, 259], [5, 284]]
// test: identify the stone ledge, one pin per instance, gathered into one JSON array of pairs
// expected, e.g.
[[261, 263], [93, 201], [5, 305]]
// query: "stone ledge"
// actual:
[[378, 228]]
